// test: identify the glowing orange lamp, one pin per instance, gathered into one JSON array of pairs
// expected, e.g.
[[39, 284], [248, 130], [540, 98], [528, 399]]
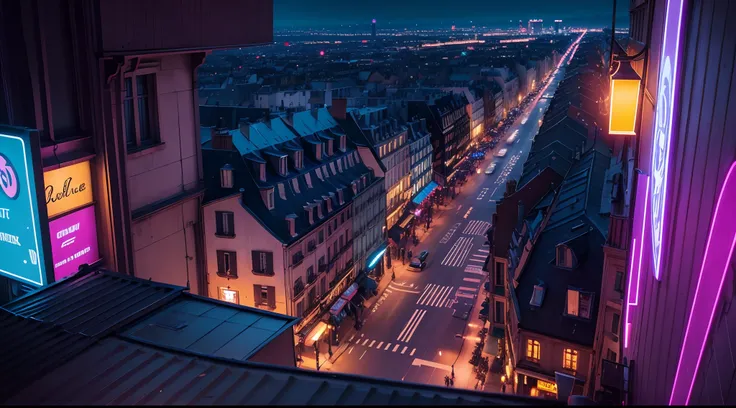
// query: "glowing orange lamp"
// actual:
[[625, 88]]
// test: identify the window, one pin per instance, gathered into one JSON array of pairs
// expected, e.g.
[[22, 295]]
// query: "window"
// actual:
[[615, 321], [499, 274], [321, 236], [226, 176], [611, 355], [299, 160], [564, 257], [619, 283], [224, 224], [579, 304], [570, 360], [298, 287], [229, 295], [282, 166], [300, 309], [323, 286], [262, 262], [499, 313], [227, 264], [264, 296], [140, 117], [532, 350]]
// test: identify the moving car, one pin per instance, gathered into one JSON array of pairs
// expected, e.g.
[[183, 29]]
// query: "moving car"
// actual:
[[512, 138], [418, 263], [502, 152], [491, 168]]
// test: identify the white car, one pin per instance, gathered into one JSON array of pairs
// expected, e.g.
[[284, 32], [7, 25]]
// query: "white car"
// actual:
[[502, 152], [491, 168]]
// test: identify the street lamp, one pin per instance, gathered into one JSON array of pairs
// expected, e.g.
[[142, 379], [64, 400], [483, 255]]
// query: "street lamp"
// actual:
[[624, 99]]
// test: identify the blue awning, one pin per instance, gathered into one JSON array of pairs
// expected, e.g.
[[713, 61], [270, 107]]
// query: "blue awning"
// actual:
[[426, 191]]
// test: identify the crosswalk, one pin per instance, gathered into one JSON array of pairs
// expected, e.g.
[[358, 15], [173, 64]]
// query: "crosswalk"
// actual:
[[476, 227], [375, 344], [436, 296], [457, 255], [482, 194], [411, 326]]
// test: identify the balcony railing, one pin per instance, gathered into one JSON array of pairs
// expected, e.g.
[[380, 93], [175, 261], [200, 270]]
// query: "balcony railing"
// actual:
[[297, 259]]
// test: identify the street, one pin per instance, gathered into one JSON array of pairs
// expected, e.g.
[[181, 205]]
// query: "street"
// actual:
[[410, 334]]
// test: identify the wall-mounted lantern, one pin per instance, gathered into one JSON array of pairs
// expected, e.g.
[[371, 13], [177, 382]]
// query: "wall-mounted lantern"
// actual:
[[625, 88]]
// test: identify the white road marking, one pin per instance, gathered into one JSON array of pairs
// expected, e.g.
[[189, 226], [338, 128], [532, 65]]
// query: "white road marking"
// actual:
[[416, 292], [419, 362], [361, 356], [467, 289], [379, 345], [387, 346], [365, 342], [472, 280], [459, 251], [351, 338], [476, 227], [464, 295], [372, 343], [484, 250], [412, 352], [362, 334], [494, 192], [467, 214], [404, 350], [396, 347], [477, 260], [411, 326], [388, 290], [351, 349]]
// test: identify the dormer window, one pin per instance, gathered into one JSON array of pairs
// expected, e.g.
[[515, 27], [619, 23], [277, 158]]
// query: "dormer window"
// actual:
[[329, 148], [291, 224], [318, 151], [340, 198], [355, 187], [310, 213], [261, 167], [565, 257], [579, 304], [226, 176], [537, 295], [319, 211], [343, 146], [268, 200], [283, 170], [329, 203], [299, 160]]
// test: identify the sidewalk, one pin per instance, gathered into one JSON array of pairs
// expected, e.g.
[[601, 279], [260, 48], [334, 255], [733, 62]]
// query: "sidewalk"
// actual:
[[464, 374]]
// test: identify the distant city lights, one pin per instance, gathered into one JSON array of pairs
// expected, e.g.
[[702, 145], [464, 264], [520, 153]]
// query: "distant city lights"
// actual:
[[321, 53], [457, 42]]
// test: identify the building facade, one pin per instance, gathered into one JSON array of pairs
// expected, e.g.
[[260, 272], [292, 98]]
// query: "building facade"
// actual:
[[421, 156], [109, 120]]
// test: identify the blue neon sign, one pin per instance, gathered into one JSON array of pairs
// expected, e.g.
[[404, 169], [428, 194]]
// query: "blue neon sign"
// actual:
[[21, 242]]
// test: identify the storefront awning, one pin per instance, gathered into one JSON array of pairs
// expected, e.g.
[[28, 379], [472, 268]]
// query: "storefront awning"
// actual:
[[315, 334], [373, 259], [337, 307], [350, 292], [406, 220], [426, 191]]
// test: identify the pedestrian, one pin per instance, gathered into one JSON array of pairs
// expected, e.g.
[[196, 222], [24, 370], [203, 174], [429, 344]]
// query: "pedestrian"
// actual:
[[503, 388], [409, 254], [447, 381], [452, 382]]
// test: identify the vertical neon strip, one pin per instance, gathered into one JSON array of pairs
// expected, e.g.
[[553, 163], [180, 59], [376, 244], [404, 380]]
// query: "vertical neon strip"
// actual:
[[634, 279], [663, 129], [718, 251]]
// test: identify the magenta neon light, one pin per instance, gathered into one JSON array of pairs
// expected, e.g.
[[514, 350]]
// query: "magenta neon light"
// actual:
[[634, 284], [718, 251], [661, 146]]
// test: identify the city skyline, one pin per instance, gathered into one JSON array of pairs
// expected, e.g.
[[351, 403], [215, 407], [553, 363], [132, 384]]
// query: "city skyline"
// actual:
[[492, 14]]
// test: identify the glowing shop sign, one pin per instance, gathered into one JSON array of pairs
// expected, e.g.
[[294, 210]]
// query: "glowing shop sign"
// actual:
[[229, 295], [661, 146], [547, 386], [718, 251], [73, 242], [68, 188], [21, 247]]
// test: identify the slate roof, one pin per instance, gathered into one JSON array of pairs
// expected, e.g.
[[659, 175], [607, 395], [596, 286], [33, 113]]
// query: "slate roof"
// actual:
[[309, 185], [575, 219], [134, 362]]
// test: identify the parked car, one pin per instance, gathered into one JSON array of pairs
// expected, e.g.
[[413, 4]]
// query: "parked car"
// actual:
[[416, 265], [501, 152], [491, 168], [423, 255]]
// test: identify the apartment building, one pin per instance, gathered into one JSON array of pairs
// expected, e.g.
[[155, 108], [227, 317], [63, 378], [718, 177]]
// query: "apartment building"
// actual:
[[112, 110], [279, 216]]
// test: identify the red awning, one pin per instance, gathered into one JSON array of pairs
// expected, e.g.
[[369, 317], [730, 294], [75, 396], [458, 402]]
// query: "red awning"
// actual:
[[350, 292]]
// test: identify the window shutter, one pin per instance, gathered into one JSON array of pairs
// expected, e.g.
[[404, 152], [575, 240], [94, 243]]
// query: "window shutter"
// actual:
[[220, 262], [234, 264], [271, 296], [230, 224], [269, 262], [218, 222], [256, 295], [256, 259]]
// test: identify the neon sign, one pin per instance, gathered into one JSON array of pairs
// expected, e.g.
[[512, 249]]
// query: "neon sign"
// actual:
[[639, 228], [718, 251], [661, 146]]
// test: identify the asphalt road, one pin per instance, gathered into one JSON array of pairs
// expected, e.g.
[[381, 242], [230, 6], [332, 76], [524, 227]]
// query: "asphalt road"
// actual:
[[412, 335]]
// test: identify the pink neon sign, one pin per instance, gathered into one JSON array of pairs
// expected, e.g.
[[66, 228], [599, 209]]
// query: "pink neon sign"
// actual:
[[661, 146], [639, 228], [718, 251]]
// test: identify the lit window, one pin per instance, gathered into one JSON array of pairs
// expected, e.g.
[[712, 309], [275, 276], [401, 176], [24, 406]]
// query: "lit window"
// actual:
[[532, 350], [570, 360], [139, 110], [579, 304]]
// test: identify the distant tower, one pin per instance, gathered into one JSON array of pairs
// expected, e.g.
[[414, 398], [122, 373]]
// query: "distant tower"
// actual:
[[557, 26], [521, 27], [373, 28]]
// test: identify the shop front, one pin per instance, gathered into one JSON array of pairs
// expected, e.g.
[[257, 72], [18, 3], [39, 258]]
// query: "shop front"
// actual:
[[535, 384]]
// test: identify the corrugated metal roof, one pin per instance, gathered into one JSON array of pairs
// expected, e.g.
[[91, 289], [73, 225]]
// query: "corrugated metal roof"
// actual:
[[29, 349], [210, 328], [120, 372], [94, 303]]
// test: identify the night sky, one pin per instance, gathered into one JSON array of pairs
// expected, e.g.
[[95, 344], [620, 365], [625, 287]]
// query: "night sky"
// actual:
[[436, 13]]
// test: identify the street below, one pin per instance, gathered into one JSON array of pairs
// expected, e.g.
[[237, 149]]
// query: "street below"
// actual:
[[410, 332]]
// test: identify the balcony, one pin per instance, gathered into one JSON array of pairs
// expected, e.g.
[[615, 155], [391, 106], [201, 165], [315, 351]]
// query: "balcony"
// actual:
[[298, 288], [297, 259], [311, 278]]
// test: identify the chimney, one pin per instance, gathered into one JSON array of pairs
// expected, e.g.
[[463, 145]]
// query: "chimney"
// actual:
[[510, 187], [221, 139], [423, 121], [339, 108], [245, 129], [520, 217]]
